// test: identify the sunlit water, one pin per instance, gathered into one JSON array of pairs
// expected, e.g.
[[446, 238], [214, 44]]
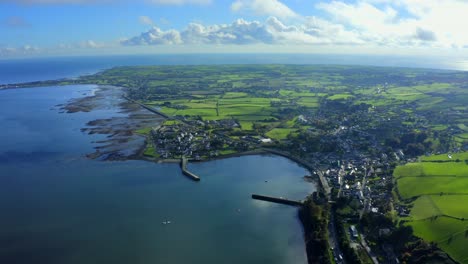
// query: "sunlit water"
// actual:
[[59, 207]]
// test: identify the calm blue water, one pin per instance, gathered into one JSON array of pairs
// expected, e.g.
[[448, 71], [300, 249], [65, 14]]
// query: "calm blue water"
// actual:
[[58, 207], [38, 69]]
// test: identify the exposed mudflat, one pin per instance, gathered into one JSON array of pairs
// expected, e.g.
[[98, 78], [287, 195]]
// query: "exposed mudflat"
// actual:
[[121, 141]]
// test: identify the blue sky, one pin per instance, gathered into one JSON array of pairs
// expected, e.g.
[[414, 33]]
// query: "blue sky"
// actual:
[[67, 27]]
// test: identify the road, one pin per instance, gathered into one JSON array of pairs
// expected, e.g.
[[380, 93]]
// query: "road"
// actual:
[[368, 250], [333, 239], [366, 200]]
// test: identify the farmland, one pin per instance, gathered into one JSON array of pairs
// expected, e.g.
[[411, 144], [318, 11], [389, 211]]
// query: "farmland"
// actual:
[[305, 109], [262, 97], [436, 190]]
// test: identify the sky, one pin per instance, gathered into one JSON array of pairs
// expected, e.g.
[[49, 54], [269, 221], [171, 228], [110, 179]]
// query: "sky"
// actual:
[[385, 27]]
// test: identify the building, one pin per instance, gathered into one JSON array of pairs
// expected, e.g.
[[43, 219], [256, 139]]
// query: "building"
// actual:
[[353, 231]]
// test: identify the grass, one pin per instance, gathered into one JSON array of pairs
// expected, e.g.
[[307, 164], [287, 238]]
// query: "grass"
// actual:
[[340, 96], [197, 112], [409, 187], [227, 151], [424, 207], [280, 133], [439, 127], [428, 206], [421, 169], [291, 123], [250, 110], [231, 95], [438, 213], [246, 125], [463, 127], [451, 205], [149, 151], [168, 111], [171, 122], [144, 131], [463, 136], [449, 234], [444, 157]]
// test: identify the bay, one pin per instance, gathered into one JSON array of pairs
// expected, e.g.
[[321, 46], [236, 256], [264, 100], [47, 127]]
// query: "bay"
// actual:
[[60, 207]]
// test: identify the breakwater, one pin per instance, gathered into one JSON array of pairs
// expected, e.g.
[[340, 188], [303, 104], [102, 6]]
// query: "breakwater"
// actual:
[[183, 166], [279, 200]]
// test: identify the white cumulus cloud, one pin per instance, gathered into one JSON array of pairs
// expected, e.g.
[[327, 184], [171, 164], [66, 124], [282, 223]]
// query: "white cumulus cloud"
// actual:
[[155, 36], [263, 8], [403, 22], [243, 32]]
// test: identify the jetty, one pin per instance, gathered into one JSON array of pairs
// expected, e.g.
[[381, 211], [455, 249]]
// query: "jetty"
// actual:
[[279, 200], [183, 166]]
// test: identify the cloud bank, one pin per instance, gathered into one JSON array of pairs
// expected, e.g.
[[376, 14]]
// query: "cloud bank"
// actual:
[[384, 23], [24, 50], [313, 31]]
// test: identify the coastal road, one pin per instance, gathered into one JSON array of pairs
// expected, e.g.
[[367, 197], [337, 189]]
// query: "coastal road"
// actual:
[[333, 240], [368, 250]]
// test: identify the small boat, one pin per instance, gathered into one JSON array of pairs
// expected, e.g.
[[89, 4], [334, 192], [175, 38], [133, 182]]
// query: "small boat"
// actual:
[[168, 222], [164, 223]]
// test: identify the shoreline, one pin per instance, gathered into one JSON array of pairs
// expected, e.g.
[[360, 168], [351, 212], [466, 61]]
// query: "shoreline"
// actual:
[[138, 154], [260, 151]]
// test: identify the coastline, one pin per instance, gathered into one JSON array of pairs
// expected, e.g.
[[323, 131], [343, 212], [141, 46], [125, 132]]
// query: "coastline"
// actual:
[[89, 103], [120, 140], [260, 151]]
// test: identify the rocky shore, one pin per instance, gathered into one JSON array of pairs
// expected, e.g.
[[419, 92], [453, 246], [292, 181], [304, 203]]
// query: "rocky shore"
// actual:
[[120, 142]]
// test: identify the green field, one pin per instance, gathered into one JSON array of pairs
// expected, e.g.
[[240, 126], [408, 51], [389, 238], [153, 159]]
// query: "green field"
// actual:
[[413, 187], [246, 125], [149, 151], [445, 157], [422, 169], [144, 131], [415, 179], [280, 133], [279, 93], [449, 234], [439, 213]]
